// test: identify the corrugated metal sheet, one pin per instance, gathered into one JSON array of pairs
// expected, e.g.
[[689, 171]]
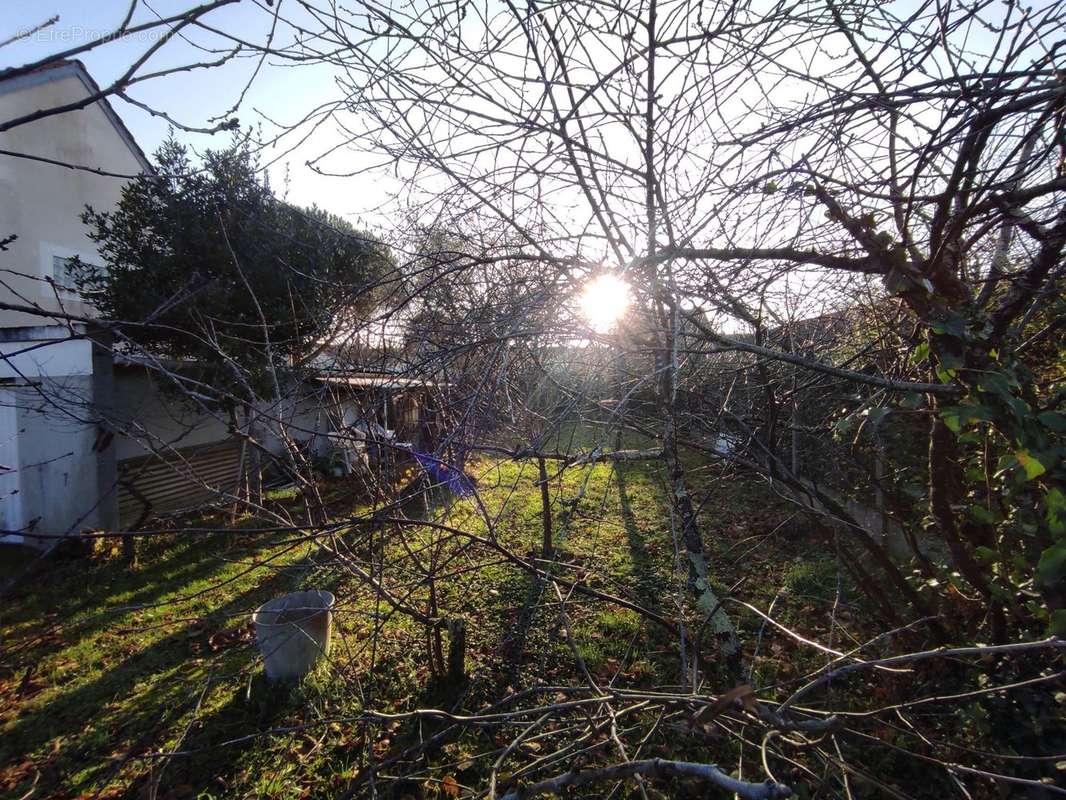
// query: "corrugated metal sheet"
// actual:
[[369, 380], [182, 479]]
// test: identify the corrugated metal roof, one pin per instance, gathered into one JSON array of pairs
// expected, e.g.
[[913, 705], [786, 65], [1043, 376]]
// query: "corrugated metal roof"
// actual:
[[374, 381]]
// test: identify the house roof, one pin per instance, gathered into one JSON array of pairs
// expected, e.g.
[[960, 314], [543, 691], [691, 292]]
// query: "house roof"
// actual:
[[371, 380], [15, 79], [355, 380]]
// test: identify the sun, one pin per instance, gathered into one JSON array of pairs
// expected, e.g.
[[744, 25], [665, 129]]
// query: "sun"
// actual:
[[604, 301]]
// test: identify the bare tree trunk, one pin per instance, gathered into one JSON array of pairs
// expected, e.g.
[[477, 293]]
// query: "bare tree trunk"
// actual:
[[254, 472], [944, 482], [769, 432], [795, 425]]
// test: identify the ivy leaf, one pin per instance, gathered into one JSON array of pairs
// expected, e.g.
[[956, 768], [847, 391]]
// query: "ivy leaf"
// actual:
[[952, 325], [920, 354], [995, 383], [951, 361], [1056, 512], [950, 416], [1051, 569], [956, 417], [876, 414], [946, 375], [1032, 466], [1054, 420], [1058, 623], [911, 400]]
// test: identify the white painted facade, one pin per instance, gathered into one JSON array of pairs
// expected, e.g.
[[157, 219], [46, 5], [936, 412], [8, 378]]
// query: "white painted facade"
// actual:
[[57, 448], [58, 466], [41, 203], [23, 360]]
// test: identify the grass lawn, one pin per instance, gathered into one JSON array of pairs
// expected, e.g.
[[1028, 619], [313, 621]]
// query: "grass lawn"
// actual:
[[105, 670]]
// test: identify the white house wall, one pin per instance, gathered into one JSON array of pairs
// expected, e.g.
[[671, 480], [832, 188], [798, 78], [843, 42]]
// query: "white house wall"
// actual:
[[42, 203], [59, 472], [56, 466], [10, 496], [308, 421], [28, 360], [146, 416]]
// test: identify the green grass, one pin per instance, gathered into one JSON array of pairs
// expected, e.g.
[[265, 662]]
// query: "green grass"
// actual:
[[104, 667], [815, 578]]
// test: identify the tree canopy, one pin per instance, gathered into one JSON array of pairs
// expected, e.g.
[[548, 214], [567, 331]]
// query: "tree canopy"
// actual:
[[208, 264]]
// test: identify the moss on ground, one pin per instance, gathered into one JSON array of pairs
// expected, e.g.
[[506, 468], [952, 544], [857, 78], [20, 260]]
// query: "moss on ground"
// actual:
[[104, 668]]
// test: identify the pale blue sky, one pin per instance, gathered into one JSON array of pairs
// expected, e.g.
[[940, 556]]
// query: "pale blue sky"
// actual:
[[281, 93]]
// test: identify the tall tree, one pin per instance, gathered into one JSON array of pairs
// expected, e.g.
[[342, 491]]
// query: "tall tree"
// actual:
[[717, 156], [205, 263]]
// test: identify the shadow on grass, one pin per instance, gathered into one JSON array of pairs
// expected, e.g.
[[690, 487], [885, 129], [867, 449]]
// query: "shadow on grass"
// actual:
[[519, 594], [67, 589], [209, 758], [513, 647], [135, 705], [648, 583]]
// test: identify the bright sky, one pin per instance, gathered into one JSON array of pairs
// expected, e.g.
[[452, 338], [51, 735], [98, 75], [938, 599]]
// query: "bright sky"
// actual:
[[604, 301], [283, 94]]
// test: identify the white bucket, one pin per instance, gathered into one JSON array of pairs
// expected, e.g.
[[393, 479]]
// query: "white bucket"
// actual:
[[293, 631]]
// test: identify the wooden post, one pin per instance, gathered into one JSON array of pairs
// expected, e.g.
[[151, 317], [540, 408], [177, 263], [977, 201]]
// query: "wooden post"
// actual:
[[456, 650], [129, 549], [545, 507]]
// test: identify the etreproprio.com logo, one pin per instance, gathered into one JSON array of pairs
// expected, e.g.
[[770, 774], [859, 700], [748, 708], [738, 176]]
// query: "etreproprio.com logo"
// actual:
[[77, 34]]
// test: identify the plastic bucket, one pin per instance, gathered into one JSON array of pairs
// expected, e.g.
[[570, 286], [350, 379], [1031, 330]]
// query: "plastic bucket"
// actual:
[[293, 631]]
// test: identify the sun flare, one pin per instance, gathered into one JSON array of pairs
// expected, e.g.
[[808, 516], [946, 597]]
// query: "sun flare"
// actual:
[[604, 301]]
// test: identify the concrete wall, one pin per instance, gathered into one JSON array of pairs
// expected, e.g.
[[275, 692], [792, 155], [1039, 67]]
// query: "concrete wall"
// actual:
[[42, 203], [10, 496], [145, 416], [308, 419], [58, 458], [56, 393]]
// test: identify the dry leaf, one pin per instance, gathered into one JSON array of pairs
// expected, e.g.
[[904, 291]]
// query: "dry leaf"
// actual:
[[381, 748], [744, 693], [450, 785]]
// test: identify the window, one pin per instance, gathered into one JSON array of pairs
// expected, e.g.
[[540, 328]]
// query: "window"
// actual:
[[63, 273]]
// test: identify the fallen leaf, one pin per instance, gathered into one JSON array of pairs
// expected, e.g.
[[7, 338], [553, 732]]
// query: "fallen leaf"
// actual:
[[450, 786], [724, 701]]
